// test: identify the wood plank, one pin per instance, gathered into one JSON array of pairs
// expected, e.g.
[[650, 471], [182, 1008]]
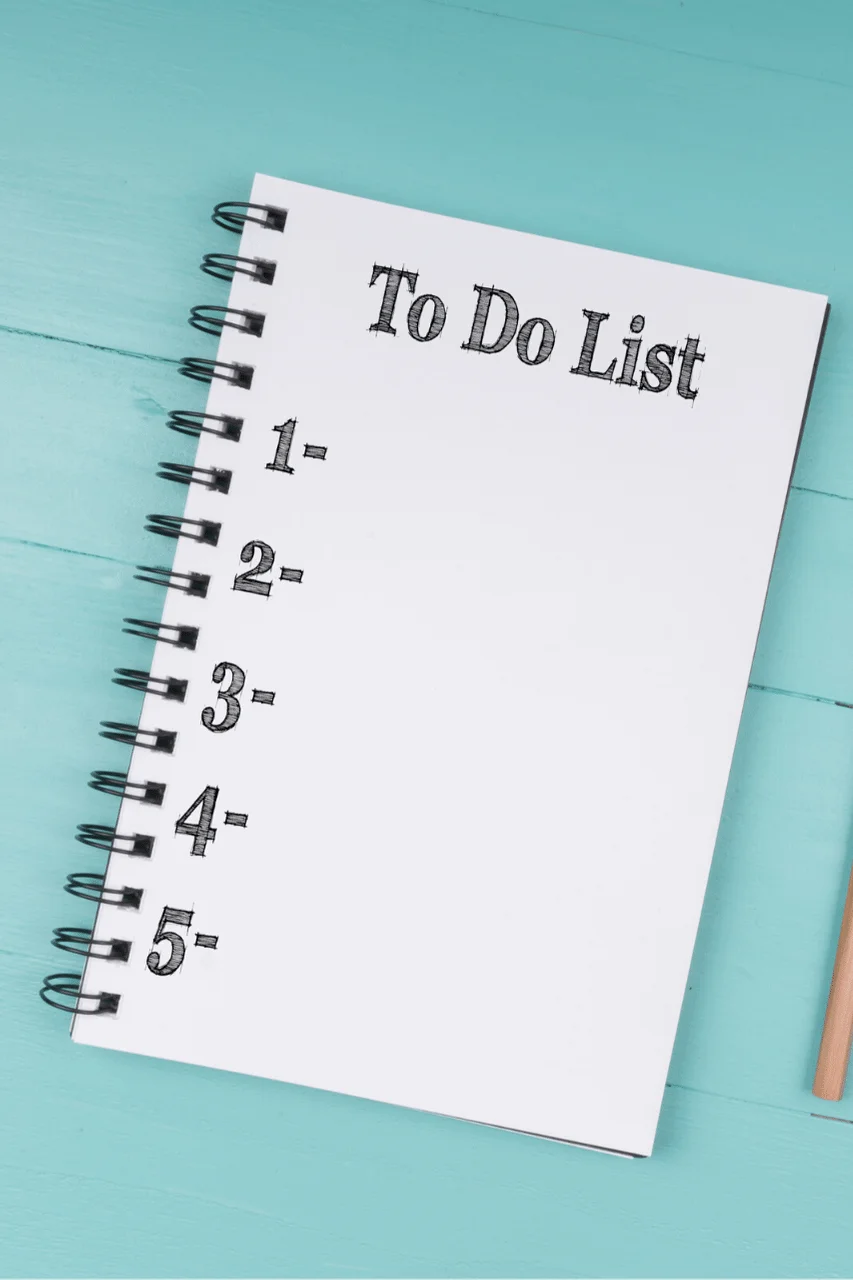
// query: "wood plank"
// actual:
[[762, 35], [85, 432], [752, 1017], [88, 432], [804, 640], [152, 116]]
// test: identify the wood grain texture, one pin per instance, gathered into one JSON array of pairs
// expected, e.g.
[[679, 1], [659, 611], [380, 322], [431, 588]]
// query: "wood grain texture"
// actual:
[[711, 135]]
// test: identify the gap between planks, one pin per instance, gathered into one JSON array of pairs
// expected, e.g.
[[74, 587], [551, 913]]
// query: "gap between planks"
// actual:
[[550, 25]]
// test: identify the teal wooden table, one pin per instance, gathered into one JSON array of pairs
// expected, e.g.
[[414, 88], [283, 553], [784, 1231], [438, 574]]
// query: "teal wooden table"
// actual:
[[710, 132]]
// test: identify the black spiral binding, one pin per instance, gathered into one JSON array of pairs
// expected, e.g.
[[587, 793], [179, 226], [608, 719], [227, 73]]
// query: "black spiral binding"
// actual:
[[192, 584], [225, 266], [164, 686], [80, 942], [180, 527], [215, 319], [63, 990], [214, 478], [162, 632], [97, 836], [190, 423], [238, 375], [118, 784]]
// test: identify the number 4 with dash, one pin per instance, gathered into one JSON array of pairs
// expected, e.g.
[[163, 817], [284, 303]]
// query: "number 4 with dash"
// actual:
[[203, 830]]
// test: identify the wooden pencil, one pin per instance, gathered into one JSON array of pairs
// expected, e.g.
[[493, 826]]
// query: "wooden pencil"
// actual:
[[837, 1034]]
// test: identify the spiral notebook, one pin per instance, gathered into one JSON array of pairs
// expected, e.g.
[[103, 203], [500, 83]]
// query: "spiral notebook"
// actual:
[[443, 699]]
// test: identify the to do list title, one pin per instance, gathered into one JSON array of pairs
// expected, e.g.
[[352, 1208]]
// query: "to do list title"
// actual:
[[535, 338]]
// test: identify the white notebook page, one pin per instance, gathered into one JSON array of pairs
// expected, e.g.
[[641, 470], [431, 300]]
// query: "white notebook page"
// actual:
[[482, 804]]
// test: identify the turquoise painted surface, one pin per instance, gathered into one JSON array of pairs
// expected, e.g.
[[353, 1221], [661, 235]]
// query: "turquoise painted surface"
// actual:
[[712, 134]]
